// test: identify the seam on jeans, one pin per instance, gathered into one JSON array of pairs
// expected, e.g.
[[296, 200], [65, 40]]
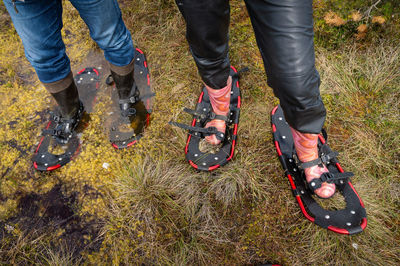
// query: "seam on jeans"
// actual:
[[115, 3]]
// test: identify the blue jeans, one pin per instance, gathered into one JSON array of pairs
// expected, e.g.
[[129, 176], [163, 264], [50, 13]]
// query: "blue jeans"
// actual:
[[39, 23]]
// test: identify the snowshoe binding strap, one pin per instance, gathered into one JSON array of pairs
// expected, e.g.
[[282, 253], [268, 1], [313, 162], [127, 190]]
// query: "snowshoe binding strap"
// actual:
[[202, 114], [350, 220], [128, 127], [64, 127], [337, 178], [204, 131], [323, 159]]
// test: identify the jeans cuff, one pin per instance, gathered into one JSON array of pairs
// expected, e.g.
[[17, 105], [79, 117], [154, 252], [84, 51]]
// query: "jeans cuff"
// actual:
[[60, 85]]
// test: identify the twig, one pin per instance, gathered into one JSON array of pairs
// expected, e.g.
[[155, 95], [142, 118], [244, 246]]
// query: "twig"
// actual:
[[367, 13]]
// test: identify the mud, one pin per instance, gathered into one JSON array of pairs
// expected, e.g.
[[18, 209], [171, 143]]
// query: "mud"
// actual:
[[40, 215]]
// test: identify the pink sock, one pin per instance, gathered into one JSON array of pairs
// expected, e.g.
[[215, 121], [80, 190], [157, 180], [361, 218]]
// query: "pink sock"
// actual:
[[220, 100], [307, 150]]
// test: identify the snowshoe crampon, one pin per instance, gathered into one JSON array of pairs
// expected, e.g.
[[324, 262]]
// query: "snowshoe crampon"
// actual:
[[350, 220], [128, 126], [55, 150], [208, 161]]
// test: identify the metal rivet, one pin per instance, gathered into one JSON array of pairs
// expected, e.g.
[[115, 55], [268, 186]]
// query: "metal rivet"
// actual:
[[352, 212], [204, 163], [138, 59], [141, 72], [327, 217], [80, 78], [294, 169], [348, 224], [123, 142], [204, 109], [280, 118], [290, 160], [79, 81], [46, 164], [222, 135], [196, 155], [231, 92], [216, 158], [88, 72], [312, 184], [230, 121], [91, 79], [341, 181], [302, 192], [60, 159], [284, 137], [43, 156]]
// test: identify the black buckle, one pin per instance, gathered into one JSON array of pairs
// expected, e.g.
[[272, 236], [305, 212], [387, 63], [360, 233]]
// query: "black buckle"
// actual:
[[325, 158], [211, 115], [128, 112], [211, 130], [327, 177], [56, 118]]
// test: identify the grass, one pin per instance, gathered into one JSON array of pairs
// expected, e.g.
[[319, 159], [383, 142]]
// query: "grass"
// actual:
[[149, 206]]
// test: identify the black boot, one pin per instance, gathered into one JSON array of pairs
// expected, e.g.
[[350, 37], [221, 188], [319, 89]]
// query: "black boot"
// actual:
[[70, 112], [68, 101], [127, 92]]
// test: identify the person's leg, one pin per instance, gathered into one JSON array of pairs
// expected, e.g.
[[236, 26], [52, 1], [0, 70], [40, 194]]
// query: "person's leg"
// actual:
[[284, 34], [104, 19], [207, 25], [39, 23]]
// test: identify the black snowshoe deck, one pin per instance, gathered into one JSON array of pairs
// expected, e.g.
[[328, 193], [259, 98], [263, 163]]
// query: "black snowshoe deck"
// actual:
[[206, 161], [87, 81], [350, 220], [126, 131]]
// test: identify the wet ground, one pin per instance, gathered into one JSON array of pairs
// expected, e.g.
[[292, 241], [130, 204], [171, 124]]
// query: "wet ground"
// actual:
[[62, 202]]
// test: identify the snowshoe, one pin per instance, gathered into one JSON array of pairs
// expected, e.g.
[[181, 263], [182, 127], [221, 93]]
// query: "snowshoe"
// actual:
[[129, 122], [350, 220], [208, 161], [60, 142]]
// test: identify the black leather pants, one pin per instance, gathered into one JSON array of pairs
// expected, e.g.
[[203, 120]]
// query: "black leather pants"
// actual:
[[284, 34]]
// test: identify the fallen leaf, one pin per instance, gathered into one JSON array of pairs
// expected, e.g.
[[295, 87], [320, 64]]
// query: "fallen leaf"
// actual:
[[378, 19], [331, 18], [362, 28], [356, 16]]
